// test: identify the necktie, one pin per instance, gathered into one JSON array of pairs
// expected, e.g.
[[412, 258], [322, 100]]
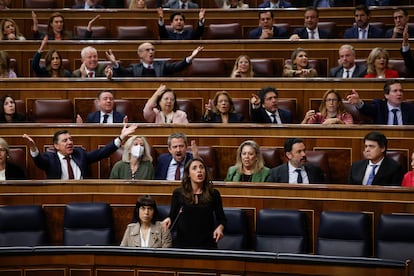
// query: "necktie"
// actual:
[[183, 6], [312, 34], [372, 174], [395, 120], [299, 180], [364, 34], [105, 118], [150, 66], [347, 74], [178, 172], [90, 74], [70, 170], [274, 118]]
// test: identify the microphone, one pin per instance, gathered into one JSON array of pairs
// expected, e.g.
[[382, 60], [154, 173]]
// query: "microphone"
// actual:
[[176, 219]]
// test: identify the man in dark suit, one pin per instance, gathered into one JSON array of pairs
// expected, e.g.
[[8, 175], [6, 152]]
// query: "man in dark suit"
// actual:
[[90, 67], [88, 4], [106, 114], [348, 68], [180, 4], [311, 30], [274, 4], [178, 32], [148, 67], [69, 162], [401, 18], [264, 108], [405, 51], [362, 29], [391, 111], [266, 28], [170, 166], [296, 170], [376, 168]]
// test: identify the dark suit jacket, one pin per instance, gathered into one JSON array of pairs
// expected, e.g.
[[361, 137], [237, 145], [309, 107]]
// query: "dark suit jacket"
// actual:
[[82, 6], [389, 32], [359, 72], [175, 4], [99, 72], [378, 110], [280, 174], [163, 163], [14, 172], [282, 4], [216, 118], [408, 60], [277, 33], [259, 115], [95, 117], [373, 32], [186, 34], [161, 68], [50, 163], [303, 33], [42, 71], [390, 173]]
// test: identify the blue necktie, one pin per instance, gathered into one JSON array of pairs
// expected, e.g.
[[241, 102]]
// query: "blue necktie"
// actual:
[[372, 174], [299, 180], [395, 120]]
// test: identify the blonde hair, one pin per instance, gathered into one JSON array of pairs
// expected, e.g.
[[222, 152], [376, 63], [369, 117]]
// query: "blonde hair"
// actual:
[[133, 5], [250, 73], [259, 163], [373, 56], [322, 107], [126, 155]]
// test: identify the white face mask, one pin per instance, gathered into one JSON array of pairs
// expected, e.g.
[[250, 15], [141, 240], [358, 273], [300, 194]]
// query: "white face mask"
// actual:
[[137, 151]]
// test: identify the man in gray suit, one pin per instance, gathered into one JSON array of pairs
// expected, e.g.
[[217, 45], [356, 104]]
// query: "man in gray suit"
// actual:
[[90, 67], [296, 170], [348, 68]]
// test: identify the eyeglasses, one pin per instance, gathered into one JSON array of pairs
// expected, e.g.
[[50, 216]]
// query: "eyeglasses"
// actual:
[[2, 149], [331, 100]]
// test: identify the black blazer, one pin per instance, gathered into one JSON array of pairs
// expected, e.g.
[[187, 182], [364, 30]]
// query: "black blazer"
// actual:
[[186, 34], [277, 33], [164, 163], [216, 118], [378, 110], [373, 32], [303, 33], [390, 173], [14, 172], [95, 117], [280, 174], [359, 72], [408, 59], [42, 72], [161, 68], [259, 115]]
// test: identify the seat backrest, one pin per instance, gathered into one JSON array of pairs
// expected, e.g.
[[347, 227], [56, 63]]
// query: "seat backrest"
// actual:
[[163, 211], [320, 159], [281, 231], [88, 223], [328, 27], [394, 238], [22, 225], [400, 157], [242, 106], [235, 232], [42, 28], [263, 67], [224, 31], [20, 106], [399, 65], [208, 154], [271, 157], [40, 4], [283, 26], [358, 117], [98, 32], [207, 67], [17, 156], [187, 106], [134, 32], [344, 234], [53, 111], [289, 105]]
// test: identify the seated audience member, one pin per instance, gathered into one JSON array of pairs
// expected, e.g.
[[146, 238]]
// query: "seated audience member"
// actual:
[[275, 4], [249, 165], [90, 67], [107, 113], [331, 111], [408, 180], [136, 160], [180, 4], [221, 109], [348, 68], [382, 2], [170, 166], [266, 28], [88, 4], [401, 18], [242, 68], [137, 5], [8, 171], [405, 51], [264, 108], [300, 66], [325, 3], [296, 170], [199, 207], [10, 30], [162, 108], [68, 161], [53, 63], [311, 30], [376, 168], [8, 112], [362, 29], [5, 70], [391, 111], [377, 65], [178, 31], [147, 66], [231, 4], [146, 230]]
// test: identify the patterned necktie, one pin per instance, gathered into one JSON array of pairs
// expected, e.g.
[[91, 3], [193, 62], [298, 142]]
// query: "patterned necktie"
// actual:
[[70, 170], [364, 34], [105, 118], [178, 172], [312, 34], [90, 74], [372, 174], [395, 120]]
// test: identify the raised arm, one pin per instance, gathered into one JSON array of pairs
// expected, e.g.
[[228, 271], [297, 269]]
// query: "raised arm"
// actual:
[[149, 113]]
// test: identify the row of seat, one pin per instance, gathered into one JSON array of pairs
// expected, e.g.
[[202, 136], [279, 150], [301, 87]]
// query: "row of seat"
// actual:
[[283, 231]]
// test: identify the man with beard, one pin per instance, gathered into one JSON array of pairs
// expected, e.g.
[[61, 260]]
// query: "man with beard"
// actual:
[[296, 170], [376, 168], [178, 31], [362, 29], [348, 68]]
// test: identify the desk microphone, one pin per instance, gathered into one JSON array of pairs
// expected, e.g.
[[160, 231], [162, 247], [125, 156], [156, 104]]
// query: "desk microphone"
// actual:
[[176, 219]]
